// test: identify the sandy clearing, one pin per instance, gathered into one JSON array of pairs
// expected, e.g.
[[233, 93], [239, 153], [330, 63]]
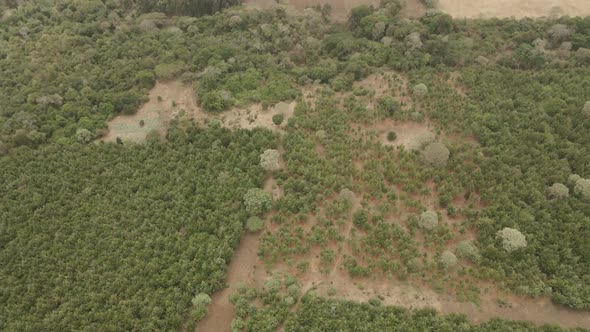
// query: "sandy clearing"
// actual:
[[514, 8], [173, 99]]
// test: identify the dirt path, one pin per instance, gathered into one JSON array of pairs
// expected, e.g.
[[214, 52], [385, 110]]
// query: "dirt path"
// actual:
[[245, 267]]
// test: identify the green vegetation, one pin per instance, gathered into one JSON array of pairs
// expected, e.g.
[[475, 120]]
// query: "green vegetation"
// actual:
[[122, 237], [137, 237]]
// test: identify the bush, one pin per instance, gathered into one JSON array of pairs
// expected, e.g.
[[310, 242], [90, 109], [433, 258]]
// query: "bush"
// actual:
[[448, 259], [216, 101], [420, 90], [346, 195], [467, 250], [391, 136], [257, 201], [167, 71], [270, 160], [436, 154], [512, 239], [428, 220], [277, 119], [200, 304], [582, 188], [84, 136], [254, 224], [360, 218], [558, 190]]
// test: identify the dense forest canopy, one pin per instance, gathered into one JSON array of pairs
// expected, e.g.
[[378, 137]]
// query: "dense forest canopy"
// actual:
[[123, 236]]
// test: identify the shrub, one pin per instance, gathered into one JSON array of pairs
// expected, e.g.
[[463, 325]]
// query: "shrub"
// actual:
[[512, 239], [582, 188], [436, 154], [448, 259], [420, 90], [559, 32], [467, 250], [558, 190], [391, 136], [421, 140], [166, 71], [254, 224], [200, 303], [360, 218], [428, 220], [270, 160], [216, 101], [387, 105], [257, 201], [346, 195], [277, 119], [84, 136]]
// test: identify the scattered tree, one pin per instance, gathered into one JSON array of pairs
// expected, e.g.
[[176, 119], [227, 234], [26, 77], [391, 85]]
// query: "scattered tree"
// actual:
[[391, 136], [467, 250], [254, 224], [512, 239], [448, 259], [428, 220], [277, 119], [257, 201], [558, 190], [270, 160], [582, 188], [436, 154], [420, 90]]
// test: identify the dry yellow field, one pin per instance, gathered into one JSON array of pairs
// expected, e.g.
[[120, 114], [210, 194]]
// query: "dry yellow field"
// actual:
[[515, 8]]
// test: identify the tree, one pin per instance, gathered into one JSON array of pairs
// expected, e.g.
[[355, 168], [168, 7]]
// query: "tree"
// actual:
[[559, 32], [428, 220], [420, 90], [467, 250], [586, 109], [84, 136], [254, 224], [257, 201], [558, 190], [277, 119], [582, 188], [346, 195], [448, 259], [413, 42], [436, 154], [270, 160], [512, 239], [200, 303]]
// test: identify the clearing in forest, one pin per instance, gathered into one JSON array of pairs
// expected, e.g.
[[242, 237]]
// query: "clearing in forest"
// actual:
[[516, 9], [174, 100]]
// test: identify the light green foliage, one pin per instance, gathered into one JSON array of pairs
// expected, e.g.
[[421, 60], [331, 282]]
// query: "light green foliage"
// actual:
[[421, 140], [84, 136], [448, 259], [559, 32], [272, 285], [586, 109], [512, 239], [167, 71], [257, 201], [573, 179], [346, 195], [436, 154], [200, 304], [270, 160], [582, 188], [558, 190], [420, 90], [428, 220], [254, 224], [467, 250]]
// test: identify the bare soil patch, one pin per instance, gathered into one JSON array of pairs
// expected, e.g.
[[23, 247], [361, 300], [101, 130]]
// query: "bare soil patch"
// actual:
[[408, 133], [173, 99], [516, 9]]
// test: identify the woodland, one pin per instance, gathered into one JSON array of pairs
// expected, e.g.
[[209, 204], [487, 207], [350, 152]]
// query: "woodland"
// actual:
[[133, 237]]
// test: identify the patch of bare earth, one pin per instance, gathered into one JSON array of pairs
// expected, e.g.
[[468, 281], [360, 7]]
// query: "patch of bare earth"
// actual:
[[173, 99], [514, 8]]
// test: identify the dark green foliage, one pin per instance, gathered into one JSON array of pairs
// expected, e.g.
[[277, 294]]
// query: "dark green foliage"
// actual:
[[360, 218], [185, 7], [277, 119], [391, 136], [318, 314], [121, 237]]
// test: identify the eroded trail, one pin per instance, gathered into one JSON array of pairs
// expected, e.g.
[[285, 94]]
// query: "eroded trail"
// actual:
[[245, 267]]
